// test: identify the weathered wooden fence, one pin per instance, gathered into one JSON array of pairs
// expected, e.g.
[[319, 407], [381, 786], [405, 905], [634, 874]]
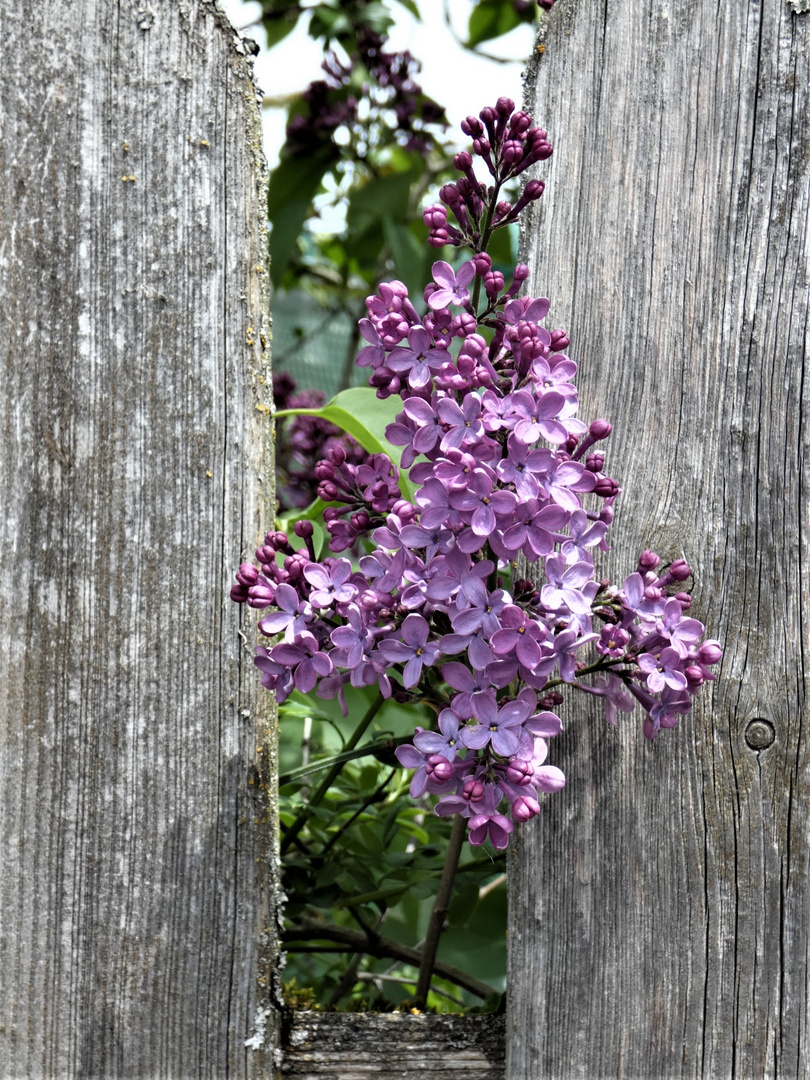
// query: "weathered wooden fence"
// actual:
[[136, 854], [661, 906], [659, 924]]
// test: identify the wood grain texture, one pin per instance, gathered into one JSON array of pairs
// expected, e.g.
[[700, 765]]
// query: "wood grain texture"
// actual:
[[661, 903], [136, 880], [392, 1046]]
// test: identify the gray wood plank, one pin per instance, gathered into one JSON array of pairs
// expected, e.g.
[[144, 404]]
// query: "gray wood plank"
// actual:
[[354, 1046], [661, 903], [136, 868]]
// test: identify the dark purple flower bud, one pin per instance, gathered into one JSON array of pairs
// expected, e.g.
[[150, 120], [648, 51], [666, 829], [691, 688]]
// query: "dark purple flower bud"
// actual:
[[559, 341], [684, 599], [546, 5], [482, 262], [438, 238], [600, 429], [512, 151], [303, 529], [493, 283], [261, 596], [435, 217], [463, 162], [505, 106], [606, 488], [281, 542], [327, 491], [324, 471], [449, 194], [337, 455], [595, 462], [360, 521], [239, 593], [520, 122], [472, 127], [247, 574]]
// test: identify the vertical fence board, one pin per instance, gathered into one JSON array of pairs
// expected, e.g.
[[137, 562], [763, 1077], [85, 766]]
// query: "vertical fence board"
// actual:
[[661, 904], [135, 876]]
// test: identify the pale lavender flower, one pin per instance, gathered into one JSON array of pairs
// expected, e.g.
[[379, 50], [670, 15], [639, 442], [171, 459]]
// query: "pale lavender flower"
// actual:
[[452, 287], [413, 649], [330, 584], [419, 359], [293, 616], [305, 657], [663, 670]]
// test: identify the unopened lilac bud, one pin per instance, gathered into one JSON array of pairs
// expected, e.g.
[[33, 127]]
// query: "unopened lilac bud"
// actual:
[[648, 560], [327, 491], [472, 127], [519, 771], [595, 462], [463, 161], [438, 238], [505, 106], [600, 429], [303, 529], [512, 151], [463, 325], [694, 676], [360, 521], [520, 122], [482, 263], [606, 487], [449, 194], [487, 115], [261, 596], [653, 593], [247, 574], [521, 273], [473, 790], [337, 455], [524, 808], [493, 283], [550, 700], [324, 471], [559, 341], [435, 217], [481, 147], [439, 768], [710, 652], [680, 570], [239, 593], [684, 599]]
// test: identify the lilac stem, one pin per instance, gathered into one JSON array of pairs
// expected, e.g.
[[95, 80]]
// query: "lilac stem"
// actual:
[[439, 912]]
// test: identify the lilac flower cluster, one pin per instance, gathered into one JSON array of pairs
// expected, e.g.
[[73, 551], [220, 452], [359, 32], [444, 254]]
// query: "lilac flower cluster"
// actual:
[[435, 611], [333, 102]]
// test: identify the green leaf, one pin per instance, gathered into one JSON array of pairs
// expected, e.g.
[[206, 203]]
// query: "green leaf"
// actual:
[[361, 414], [294, 183], [414, 10], [490, 19], [277, 29]]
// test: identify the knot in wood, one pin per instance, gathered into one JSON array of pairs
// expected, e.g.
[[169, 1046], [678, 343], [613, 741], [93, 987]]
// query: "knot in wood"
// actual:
[[760, 734]]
